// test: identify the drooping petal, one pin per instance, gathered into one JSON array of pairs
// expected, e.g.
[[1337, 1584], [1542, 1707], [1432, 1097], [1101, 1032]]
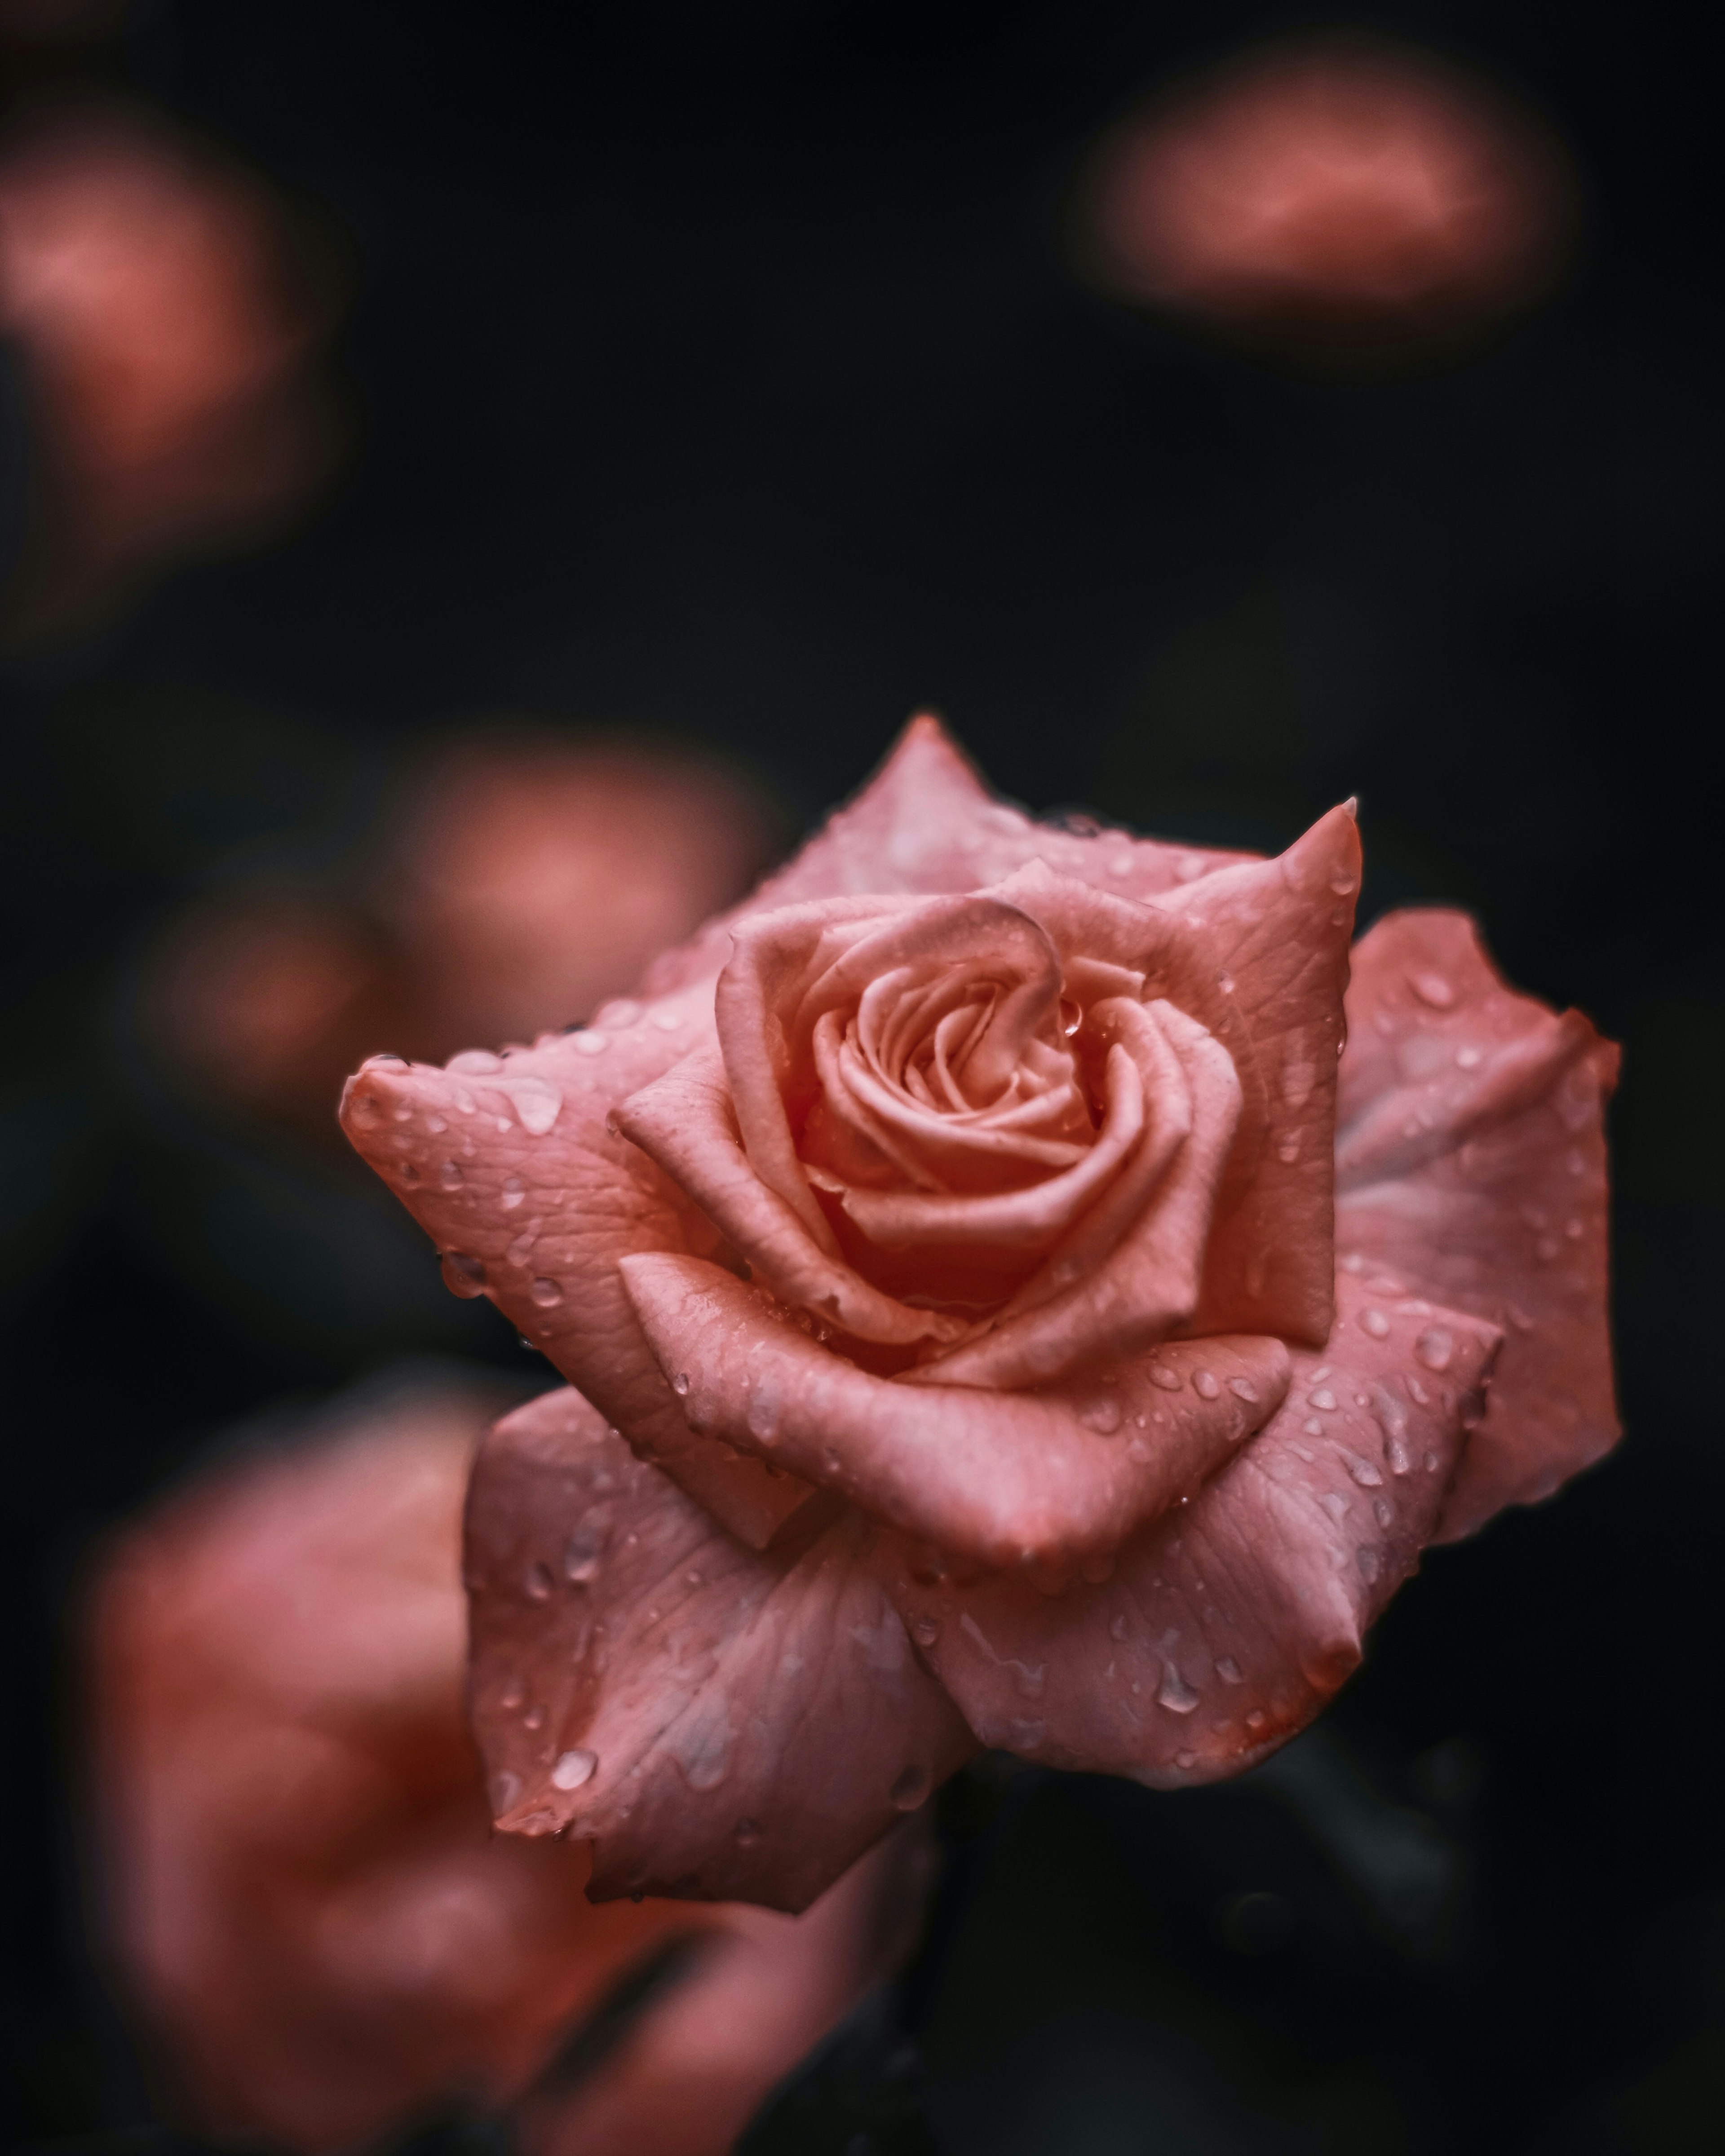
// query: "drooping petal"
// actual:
[[1229, 1623], [1053, 1478], [1471, 1167], [723, 1724]]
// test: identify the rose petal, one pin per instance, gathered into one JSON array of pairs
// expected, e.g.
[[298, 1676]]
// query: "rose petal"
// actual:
[[1049, 1478], [537, 1222], [1473, 1166], [1257, 953], [685, 1122], [1130, 1274], [1227, 1626], [723, 1724], [926, 823]]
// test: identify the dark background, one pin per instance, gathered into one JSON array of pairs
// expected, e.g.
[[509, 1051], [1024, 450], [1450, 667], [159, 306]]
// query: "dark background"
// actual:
[[718, 370]]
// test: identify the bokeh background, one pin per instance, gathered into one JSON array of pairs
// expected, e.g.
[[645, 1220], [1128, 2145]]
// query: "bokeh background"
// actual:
[[439, 445]]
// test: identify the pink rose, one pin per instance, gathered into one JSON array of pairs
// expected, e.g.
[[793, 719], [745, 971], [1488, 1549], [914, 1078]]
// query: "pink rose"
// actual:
[[945, 1247], [304, 1891]]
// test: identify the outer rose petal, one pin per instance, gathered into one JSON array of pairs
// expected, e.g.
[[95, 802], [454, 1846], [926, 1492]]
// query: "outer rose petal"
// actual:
[[508, 1163], [723, 1724], [1226, 1627], [1049, 1478], [547, 1200], [1471, 1161], [926, 823]]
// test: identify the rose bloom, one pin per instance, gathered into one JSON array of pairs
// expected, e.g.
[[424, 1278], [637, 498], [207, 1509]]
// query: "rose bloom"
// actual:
[[1332, 195], [303, 1893], [1014, 1300]]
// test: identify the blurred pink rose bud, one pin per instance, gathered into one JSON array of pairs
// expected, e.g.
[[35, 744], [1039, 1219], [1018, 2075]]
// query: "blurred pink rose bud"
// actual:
[[526, 877], [532, 877], [302, 1890], [166, 325], [1332, 200]]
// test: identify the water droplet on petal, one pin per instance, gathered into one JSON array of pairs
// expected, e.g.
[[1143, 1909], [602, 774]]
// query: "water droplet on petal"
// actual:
[[1229, 1670], [1432, 988], [1183, 1760], [1383, 1511], [463, 1276], [534, 1718], [1374, 1322], [1101, 1415], [1324, 1399], [1174, 1693], [761, 1416], [581, 1558], [1370, 1563], [545, 1292], [1206, 1384], [1255, 1718], [592, 1044], [449, 1176], [1139, 1452], [1366, 1474], [537, 1584], [514, 1190], [1434, 1346], [924, 1630], [910, 1788], [1164, 1374], [512, 1696], [573, 1769], [680, 1384]]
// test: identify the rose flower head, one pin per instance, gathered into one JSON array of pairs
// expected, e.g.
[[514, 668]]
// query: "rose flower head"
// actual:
[[981, 1332], [304, 1894]]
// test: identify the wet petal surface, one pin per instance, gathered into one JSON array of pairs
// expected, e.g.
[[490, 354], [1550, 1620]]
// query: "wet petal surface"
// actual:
[[1472, 1159], [722, 1724]]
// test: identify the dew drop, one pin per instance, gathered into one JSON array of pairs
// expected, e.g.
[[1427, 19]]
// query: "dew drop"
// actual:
[[475, 1062], [1183, 1759], [1435, 1348], [1468, 1059], [1225, 982], [537, 1584], [512, 1696], [574, 1769], [1324, 1399], [547, 1292], [592, 1044], [463, 1275], [680, 1384], [1206, 1384], [1365, 1474], [1288, 1152], [924, 1630], [1369, 1561], [1255, 1719], [1101, 1415], [1168, 1379], [1174, 1693], [668, 1021], [534, 1718], [1242, 1389], [1229, 1670], [581, 1558], [764, 1408], [910, 1788], [1383, 1511], [1432, 988], [449, 1176], [621, 1014], [514, 1190], [1139, 1452], [1375, 1322]]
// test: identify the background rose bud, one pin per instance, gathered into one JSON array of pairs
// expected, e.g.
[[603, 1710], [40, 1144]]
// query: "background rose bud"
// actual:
[[305, 1899], [1332, 199], [946, 1247]]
